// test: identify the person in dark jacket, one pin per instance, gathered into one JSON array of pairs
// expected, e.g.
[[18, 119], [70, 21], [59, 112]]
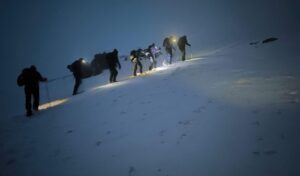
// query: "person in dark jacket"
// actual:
[[167, 43], [112, 60], [98, 64], [77, 68], [152, 57], [30, 78], [182, 41], [135, 59]]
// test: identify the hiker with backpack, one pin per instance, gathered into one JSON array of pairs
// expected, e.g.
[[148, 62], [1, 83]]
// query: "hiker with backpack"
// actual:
[[135, 59], [152, 56], [168, 44], [182, 41], [112, 60], [30, 78], [77, 69]]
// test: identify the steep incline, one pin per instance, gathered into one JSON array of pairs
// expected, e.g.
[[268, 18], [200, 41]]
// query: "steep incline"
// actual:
[[234, 111]]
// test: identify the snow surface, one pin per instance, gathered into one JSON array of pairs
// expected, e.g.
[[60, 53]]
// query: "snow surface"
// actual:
[[233, 110]]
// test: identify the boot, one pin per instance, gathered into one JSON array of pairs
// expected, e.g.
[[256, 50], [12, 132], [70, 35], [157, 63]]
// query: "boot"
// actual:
[[29, 114]]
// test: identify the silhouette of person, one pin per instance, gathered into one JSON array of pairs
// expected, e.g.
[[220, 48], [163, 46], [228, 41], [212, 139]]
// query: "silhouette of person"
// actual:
[[151, 51], [77, 68], [135, 59], [112, 60], [167, 43], [98, 64], [182, 41], [30, 78]]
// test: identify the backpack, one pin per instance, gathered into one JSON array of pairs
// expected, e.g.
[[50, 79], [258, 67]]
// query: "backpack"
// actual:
[[166, 42], [20, 80]]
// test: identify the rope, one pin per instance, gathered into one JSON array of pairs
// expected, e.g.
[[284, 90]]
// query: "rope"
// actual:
[[63, 77]]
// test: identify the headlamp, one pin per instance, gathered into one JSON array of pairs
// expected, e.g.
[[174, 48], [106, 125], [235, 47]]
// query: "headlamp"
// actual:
[[174, 40]]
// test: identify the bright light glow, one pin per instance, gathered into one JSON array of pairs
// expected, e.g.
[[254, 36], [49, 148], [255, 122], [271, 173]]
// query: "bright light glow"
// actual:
[[193, 59], [110, 85], [153, 71], [123, 82], [83, 61], [52, 104], [173, 39], [160, 69]]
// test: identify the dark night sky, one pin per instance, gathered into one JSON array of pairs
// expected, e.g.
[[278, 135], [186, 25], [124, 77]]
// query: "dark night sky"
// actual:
[[51, 34]]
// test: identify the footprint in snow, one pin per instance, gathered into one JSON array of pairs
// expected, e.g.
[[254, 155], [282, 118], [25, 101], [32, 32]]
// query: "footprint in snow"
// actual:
[[186, 122], [256, 123], [278, 112], [183, 135], [123, 112], [98, 143], [70, 131], [267, 152], [131, 170], [162, 132], [257, 153], [259, 138], [199, 109], [210, 101], [256, 111]]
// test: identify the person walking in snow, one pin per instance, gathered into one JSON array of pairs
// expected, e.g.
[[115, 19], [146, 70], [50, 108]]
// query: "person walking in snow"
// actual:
[[151, 52], [30, 78], [135, 59], [182, 41], [167, 43], [77, 69], [112, 60]]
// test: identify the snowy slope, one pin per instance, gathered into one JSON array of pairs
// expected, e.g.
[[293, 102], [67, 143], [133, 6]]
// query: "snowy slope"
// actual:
[[233, 111]]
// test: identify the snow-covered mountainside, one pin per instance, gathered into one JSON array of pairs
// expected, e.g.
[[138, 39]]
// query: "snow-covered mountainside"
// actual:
[[232, 110]]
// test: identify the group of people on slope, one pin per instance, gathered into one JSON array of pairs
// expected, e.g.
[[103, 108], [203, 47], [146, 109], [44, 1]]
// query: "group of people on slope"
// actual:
[[151, 53], [169, 42], [30, 77], [112, 61]]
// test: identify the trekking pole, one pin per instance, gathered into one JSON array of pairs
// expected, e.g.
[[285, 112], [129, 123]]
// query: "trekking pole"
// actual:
[[191, 52], [47, 94]]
